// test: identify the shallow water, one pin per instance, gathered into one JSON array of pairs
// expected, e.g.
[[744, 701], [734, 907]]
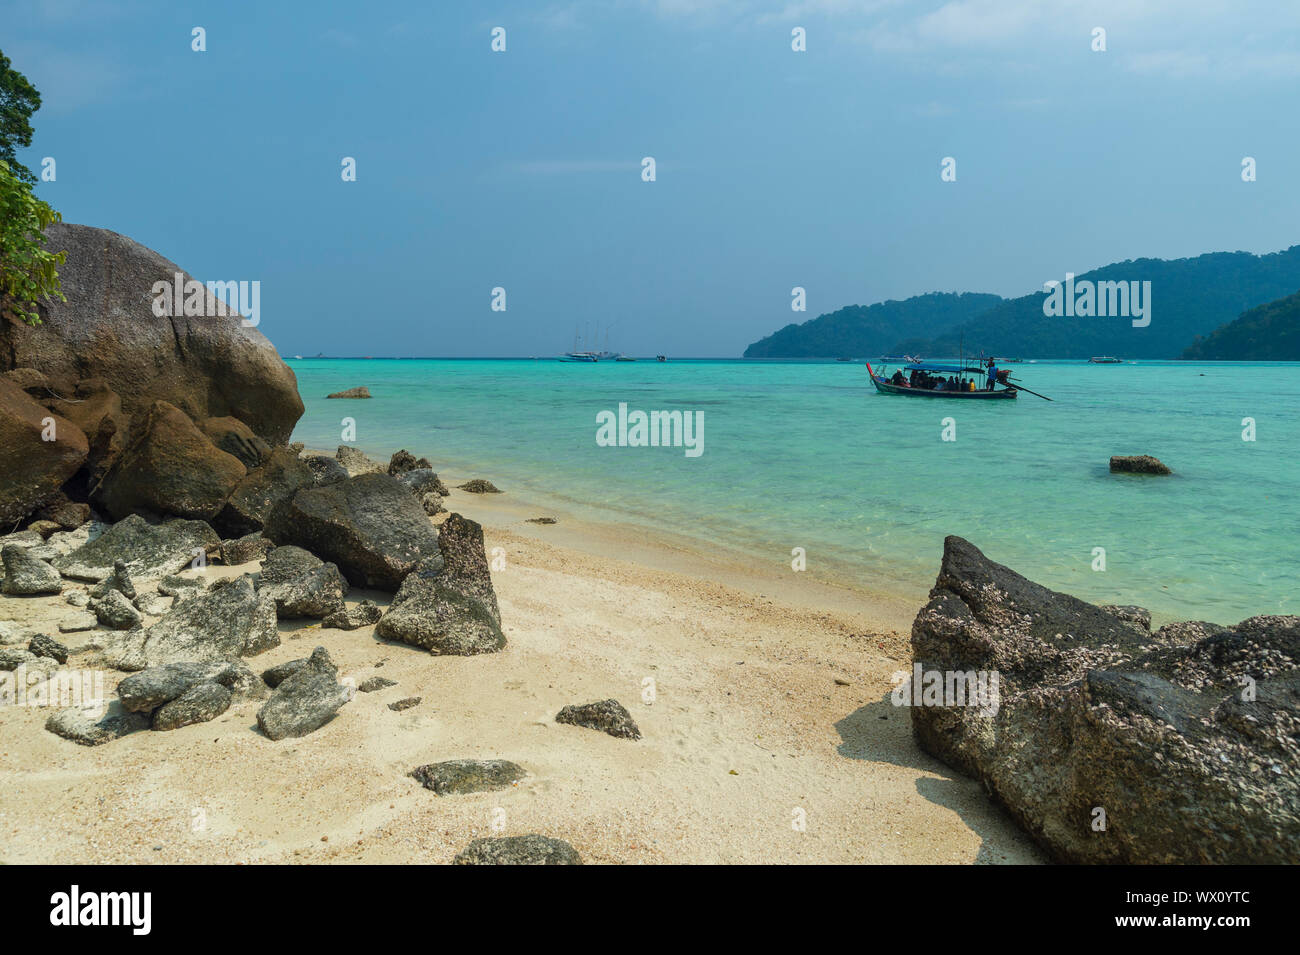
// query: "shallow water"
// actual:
[[803, 454]]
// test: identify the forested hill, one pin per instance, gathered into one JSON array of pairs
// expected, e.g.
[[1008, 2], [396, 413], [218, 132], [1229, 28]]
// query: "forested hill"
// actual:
[[1269, 332], [868, 331], [1189, 297]]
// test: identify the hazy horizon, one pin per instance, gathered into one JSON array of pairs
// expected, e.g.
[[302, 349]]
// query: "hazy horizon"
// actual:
[[774, 168]]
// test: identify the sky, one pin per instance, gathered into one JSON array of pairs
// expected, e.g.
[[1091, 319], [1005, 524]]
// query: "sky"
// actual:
[[774, 168]]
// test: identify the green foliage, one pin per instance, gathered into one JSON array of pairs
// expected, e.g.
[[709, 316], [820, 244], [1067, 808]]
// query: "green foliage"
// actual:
[[869, 331], [28, 272], [18, 100], [1270, 332]]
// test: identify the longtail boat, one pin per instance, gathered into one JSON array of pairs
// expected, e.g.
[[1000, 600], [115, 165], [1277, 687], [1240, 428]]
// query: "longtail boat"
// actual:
[[969, 378]]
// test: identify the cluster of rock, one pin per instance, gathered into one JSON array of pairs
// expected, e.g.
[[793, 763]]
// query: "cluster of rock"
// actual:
[[1108, 742]]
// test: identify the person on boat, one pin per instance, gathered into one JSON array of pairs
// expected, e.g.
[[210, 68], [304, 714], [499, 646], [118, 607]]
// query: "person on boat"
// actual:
[[993, 375], [898, 379]]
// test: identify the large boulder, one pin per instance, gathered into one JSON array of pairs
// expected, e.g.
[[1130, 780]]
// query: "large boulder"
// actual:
[[1106, 742], [301, 584], [96, 409], [237, 439], [169, 468], [264, 490], [209, 365], [149, 689], [228, 620], [34, 468], [147, 550], [24, 574], [370, 526]]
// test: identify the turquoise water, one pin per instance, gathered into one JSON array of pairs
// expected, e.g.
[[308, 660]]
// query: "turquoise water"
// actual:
[[807, 455]]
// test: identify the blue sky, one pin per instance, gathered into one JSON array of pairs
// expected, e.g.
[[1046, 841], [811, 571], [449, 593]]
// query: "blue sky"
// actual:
[[775, 169]]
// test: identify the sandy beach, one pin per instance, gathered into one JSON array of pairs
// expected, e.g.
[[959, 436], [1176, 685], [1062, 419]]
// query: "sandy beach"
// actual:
[[768, 735]]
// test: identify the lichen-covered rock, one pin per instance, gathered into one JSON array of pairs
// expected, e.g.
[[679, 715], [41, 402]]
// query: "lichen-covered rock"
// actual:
[[174, 585], [95, 725], [119, 580], [324, 469], [460, 541], [405, 703], [46, 646], [432, 503], [375, 683], [422, 481], [364, 614], [433, 612], [404, 461], [360, 391], [459, 776], [229, 620], [356, 462], [198, 704], [1138, 615], [305, 701], [148, 550], [25, 575], [608, 716], [531, 849], [370, 526], [1189, 743], [263, 490], [149, 689], [114, 611], [480, 486], [274, 676]]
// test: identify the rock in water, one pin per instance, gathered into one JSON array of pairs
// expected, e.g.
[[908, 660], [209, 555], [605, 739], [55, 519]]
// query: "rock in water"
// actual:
[[370, 526], [480, 486], [608, 716], [147, 550], [363, 614], [209, 365], [458, 776], [1138, 464], [531, 849], [1090, 711], [199, 704], [361, 391], [89, 727], [34, 468], [230, 620], [305, 701], [169, 467], [25, 575]]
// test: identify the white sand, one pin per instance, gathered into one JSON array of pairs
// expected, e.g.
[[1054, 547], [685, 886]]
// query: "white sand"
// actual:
[[747, 725]]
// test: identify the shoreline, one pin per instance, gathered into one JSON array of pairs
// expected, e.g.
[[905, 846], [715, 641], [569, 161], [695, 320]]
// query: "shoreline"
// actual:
[[770, 705]]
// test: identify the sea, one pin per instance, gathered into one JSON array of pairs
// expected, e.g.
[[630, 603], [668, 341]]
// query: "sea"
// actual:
[[801, 461]]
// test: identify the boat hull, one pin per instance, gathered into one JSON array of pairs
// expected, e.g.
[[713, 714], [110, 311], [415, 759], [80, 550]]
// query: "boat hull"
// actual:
[[885, 388]]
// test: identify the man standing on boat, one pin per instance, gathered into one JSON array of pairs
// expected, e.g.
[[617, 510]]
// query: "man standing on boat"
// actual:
[[993, 375]]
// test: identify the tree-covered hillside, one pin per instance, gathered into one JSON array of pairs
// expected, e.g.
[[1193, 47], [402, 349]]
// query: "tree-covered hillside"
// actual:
[[867, 331], [1269, 332]]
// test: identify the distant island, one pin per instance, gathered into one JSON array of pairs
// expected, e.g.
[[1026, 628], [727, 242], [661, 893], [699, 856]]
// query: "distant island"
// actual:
[[871, 330], [1190, 298], [1269, 332]]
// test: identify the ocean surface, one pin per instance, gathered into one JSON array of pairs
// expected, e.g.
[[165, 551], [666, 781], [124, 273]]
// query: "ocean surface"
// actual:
[[806, 454]]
